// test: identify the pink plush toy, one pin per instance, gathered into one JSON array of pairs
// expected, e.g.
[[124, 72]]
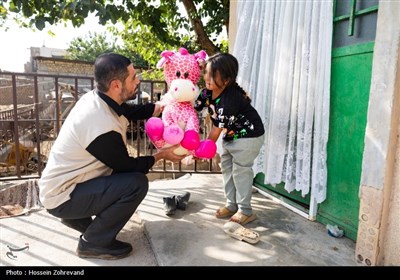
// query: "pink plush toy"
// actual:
[[180, 122]]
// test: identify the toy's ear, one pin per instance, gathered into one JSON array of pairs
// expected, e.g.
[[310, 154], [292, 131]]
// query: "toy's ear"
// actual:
[[183, 51], [166, 56], [200, 56]]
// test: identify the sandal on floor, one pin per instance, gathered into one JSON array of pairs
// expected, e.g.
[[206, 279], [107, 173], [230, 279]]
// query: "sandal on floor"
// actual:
[[241, 233], [242, 219], [224, 212]]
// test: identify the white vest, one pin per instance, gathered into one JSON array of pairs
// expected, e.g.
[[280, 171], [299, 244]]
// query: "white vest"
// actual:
[[69, 162]]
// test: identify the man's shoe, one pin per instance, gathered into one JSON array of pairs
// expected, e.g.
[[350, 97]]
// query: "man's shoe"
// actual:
[[77, 224], [117, 250], [169, 205], [182, 201]]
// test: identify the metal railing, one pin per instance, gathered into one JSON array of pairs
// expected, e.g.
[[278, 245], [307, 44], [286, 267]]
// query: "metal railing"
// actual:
[[33, 108]]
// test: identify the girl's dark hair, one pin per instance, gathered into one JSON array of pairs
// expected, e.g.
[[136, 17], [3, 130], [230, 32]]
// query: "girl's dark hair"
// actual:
[[228, 67], [108, 67]]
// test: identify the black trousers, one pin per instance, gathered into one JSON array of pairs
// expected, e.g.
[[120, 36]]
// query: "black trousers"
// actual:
[[112, 199]]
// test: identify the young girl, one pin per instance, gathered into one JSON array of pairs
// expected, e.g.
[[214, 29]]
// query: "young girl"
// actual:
[[243, 134]]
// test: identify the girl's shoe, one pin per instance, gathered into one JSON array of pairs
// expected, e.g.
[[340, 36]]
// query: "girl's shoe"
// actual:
[[224, 212], [242, 219]]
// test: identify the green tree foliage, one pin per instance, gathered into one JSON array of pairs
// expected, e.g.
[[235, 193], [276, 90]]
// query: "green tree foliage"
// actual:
[[158, 24], [140, 38], [89, 47]]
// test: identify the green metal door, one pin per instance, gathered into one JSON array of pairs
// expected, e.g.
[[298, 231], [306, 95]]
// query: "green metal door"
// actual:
[[353, 42]]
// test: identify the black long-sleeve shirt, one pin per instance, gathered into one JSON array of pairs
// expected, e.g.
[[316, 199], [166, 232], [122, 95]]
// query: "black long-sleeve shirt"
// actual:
[[232, 112], [110, 148]]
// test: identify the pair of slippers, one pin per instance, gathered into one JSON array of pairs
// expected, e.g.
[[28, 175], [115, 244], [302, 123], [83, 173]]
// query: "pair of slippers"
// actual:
[[235, 216], [172, 203], [241, 233]]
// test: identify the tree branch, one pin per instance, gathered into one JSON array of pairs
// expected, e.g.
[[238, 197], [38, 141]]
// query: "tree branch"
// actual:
[[201, 36]]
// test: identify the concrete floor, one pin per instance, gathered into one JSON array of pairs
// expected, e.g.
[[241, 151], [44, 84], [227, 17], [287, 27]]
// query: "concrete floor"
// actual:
[[193, 237]]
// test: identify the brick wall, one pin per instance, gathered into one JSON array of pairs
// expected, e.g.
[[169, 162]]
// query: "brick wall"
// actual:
[[63, 66], [60, 66], [51, 66], [45, 65], [25, 90]]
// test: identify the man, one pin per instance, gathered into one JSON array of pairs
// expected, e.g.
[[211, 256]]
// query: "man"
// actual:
[[89, 171]]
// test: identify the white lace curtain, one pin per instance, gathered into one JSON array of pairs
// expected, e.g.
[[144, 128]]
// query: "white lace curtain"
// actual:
[[284, 52]]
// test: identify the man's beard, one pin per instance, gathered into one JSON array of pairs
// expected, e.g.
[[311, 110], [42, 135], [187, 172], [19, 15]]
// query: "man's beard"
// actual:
[[128, 96]]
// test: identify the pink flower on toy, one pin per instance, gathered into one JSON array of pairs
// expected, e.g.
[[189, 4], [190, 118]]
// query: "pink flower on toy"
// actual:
[[206, 149], [155, 128], [173, 134]]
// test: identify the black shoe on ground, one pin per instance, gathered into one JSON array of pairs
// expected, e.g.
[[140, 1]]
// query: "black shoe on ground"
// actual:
[[117, 250], [182, 201], [77, 224], [169, 205]]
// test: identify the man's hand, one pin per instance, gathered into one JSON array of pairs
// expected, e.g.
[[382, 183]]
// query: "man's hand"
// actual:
[[168, 154], [159, 107]]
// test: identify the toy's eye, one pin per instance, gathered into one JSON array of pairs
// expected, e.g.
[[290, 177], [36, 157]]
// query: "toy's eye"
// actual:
[[186, 75], [178, 74]]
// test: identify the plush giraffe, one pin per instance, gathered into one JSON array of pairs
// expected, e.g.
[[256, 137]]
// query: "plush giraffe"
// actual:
[[179, 123]]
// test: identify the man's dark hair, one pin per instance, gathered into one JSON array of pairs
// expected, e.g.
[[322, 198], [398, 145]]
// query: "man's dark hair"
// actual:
[[108, 67]]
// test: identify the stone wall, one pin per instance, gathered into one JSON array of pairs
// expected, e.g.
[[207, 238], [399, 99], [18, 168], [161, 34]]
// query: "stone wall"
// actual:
[[378, 241]]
